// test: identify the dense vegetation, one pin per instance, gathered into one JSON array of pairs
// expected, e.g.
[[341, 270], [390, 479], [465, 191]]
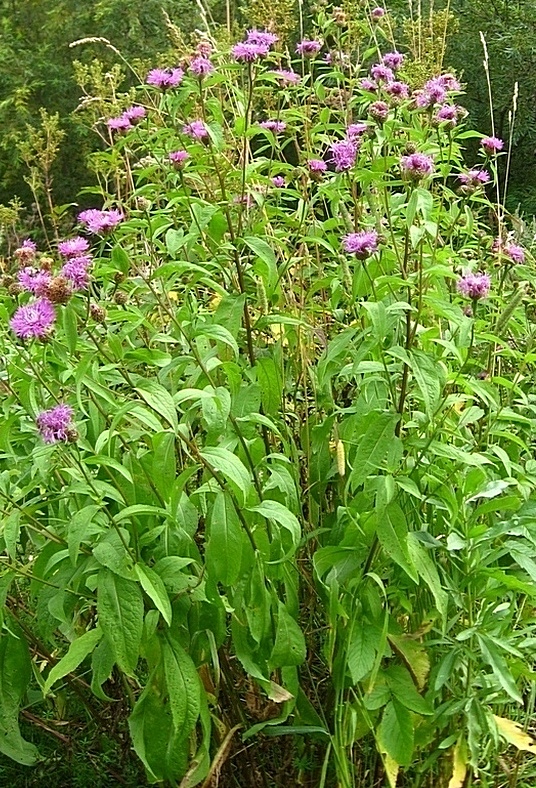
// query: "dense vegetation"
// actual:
[[266, 456]]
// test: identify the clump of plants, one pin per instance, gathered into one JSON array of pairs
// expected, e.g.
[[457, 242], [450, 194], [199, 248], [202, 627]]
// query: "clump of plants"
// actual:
[[267, 468]]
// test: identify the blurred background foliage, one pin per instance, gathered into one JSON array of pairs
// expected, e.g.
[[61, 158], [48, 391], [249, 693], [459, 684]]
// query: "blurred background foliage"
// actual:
[[39, 70]]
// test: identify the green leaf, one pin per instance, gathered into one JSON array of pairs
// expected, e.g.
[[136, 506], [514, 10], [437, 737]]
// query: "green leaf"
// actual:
[[428, 376], [70, 327], [120, 609], [361, 650], [232, 468], [264, 252], [78, 527], [373, 446], [271, 385], [424, 564], [273, 510], [183, 687], [15, 673], [225, 541], [289, 647], [401, 685], [11, 532], [78, 651], [395, 733], [160, 400], [392, 532], [500, 669], [154, 587], [120, 260], [102, 663]]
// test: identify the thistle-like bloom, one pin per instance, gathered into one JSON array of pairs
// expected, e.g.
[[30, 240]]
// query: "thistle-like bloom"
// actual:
[[201, 67], [368, 84], [362, 244], [286, 77], [33, 320], [343, 154], [75, 271], [121, 123], [514, 252], [56, 424], [377, 13], [474, 286], [474, 178], [165, 78], [197, 130], [398, 90], [317, 165], [492, 145], [135, 113], [34, 280], [276, 126], [73, 247], [100, 221], [381, 73], [261, 37], [393, 60], [416, 166], [449, 114], [434, 92], [308, 47], [179, 158], [379, 110], [449, 82], [278, 181], [248, 53], [355, 130], [26, 252]]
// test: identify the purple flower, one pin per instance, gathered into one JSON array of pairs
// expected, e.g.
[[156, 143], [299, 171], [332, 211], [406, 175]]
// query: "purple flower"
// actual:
[[33, 320], [491, 145], [393, 60], [397, 89], [100, 221], [474, 178], [514, 252], [308, 47], [261, 37], [343, 154], [379, 110], [317, 165], [368, 84], [277, 126], [34, 280], [381, 73], [73, 247], [197, 130], [201, 67], [56, 424], [134, 113], [119, 124], [449, 82], [377, 13], [164, 78], [434, 92], [474, 286], [26, 252], [416, 166], [247, 53], [355, 130], [75, 271], [286, 77], [278, 181], [362, 244], [179, 158], [448, 113]]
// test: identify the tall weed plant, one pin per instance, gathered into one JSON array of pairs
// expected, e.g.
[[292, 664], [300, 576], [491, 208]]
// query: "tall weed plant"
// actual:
[[267, 468]]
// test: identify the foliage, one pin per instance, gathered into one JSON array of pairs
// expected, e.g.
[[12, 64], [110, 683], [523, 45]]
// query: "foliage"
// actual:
[[270, 472]]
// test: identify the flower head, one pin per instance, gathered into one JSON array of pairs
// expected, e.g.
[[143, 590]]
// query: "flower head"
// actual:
[[100, 221], [417, 166], [433, 92], [379, 110], [381, 73], [33, 320], [286, 77], [278, 181], [474, 286], [197, 130], [368, 84], [164, 78], [492, 145], [393, 60], [261, 37], [399, 90], [317, 165], [277, 126], [179, 158], [514, 252], [56, 424], [474, 178], [75, 271], [34, 280], [247, 53], [26, 251], [121, 123], [343, 154], [449, 114], [449, 82], [201, 67], [308, 47], [377, 13], [135, 113], [73, 247], [355, 130], [362, 244]]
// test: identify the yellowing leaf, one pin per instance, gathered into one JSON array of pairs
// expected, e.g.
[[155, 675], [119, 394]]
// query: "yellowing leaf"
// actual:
[[514, 734], [459, 766], [391, 770]]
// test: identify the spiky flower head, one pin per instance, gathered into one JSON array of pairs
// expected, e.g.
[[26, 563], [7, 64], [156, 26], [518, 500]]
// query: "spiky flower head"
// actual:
[[165, 78], [363, 244], [308, 47], [491, 145], [73, 247], [416, 166], [98, 222], [474, 286], [33, 320], [56, 424]]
